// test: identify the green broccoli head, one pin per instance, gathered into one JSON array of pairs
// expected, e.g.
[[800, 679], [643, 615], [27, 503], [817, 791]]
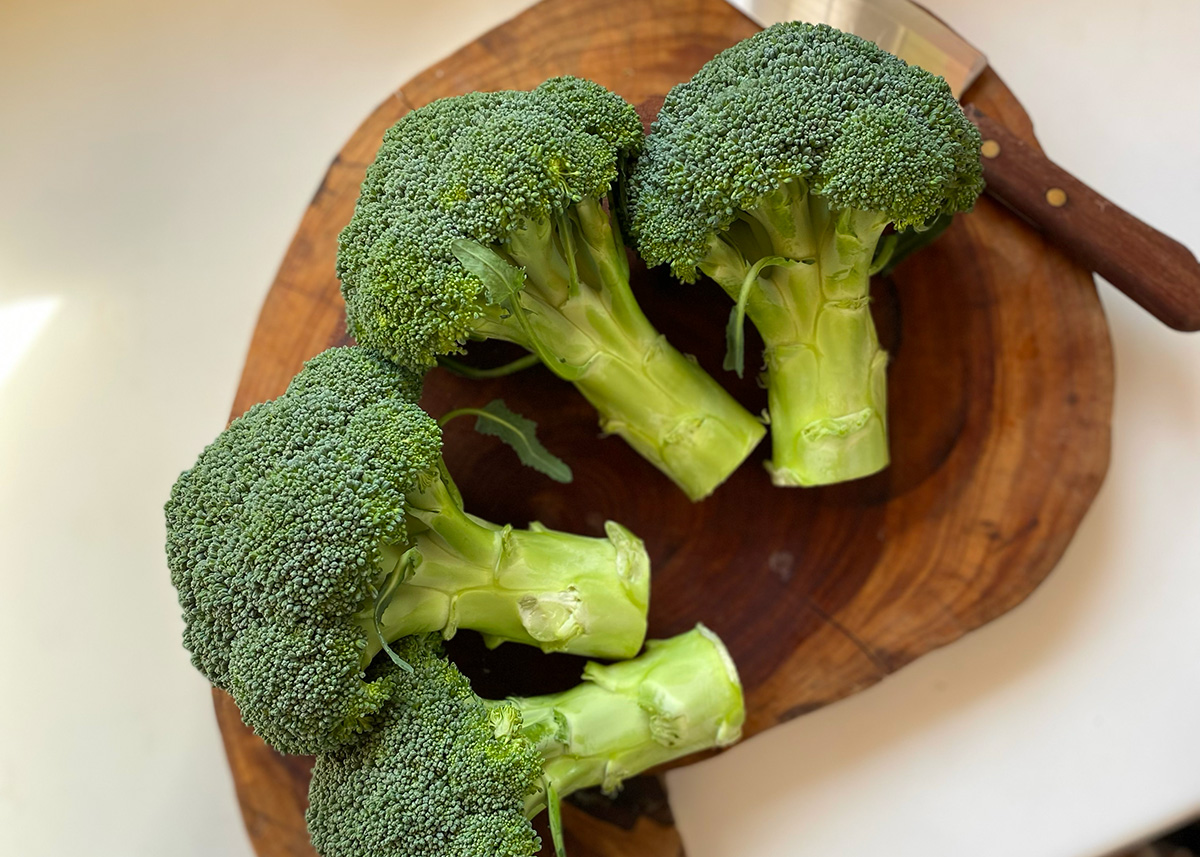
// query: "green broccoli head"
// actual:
[[490, 216], [442, 773], [274, 543], [799, 103], [322, 526], [445, 773], [477, 167]]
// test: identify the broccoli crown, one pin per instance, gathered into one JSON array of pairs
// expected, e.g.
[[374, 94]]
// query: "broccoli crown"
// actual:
[[442, 774], [474, 166], [799, 102], [274, 536]]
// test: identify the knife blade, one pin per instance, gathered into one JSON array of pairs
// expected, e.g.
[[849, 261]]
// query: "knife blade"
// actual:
[[1154, 270]]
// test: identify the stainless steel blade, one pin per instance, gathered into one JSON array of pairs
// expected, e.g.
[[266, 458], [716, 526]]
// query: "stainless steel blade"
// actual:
[[897, 26]]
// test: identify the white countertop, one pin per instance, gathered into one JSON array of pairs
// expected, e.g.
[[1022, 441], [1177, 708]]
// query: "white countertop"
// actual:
[[154, 161]]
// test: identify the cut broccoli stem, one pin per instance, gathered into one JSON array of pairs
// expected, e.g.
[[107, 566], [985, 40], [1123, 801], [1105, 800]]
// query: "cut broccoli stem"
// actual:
[[673, 414], [826, 373], [683, 695], [659, 400], [558, 591]]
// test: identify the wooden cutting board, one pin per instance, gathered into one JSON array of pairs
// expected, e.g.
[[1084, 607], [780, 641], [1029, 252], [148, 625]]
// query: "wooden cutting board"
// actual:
[[1000, 397]]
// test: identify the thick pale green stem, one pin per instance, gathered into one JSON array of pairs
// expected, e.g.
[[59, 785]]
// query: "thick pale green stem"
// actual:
[[680, 697], [660, 401], [557, 591], [826, 373], [672, 412], [827, 400]]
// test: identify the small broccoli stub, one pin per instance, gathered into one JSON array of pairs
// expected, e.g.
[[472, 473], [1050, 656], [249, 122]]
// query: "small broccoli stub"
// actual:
[[446, 774], [488, 215], [775, 170], [321, 526]]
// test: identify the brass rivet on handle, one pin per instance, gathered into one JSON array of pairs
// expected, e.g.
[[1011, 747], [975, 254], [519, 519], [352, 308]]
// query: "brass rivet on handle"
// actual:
[[1057, 197], [990, 149]]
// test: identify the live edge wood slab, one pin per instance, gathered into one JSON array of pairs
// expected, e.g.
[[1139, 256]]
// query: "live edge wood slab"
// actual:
[[1000, 396]]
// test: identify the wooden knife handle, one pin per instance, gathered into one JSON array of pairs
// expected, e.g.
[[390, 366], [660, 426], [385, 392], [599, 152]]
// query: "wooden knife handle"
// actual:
[[1158, 272]]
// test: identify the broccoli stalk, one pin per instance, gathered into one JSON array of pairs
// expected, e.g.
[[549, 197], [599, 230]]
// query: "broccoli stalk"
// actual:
[[578, 312], [489, 215], [805, 271], [775, 170], [447, 773], [681, 696], [541, 587], [322, 526]]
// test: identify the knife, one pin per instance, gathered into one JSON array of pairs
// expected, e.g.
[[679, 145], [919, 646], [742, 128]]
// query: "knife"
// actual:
[[1157, 272]]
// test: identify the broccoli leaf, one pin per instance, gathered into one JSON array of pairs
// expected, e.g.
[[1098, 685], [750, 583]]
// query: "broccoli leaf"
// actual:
[[503, 283], [898, 246], [496, 419], [735, 342], [475, 373], [402, 572], [554, 805]]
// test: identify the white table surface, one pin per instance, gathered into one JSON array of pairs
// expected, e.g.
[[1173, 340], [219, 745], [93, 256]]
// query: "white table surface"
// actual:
[[154, 160]]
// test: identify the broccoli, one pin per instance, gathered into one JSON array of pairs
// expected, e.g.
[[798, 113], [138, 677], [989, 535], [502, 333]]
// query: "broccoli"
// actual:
[[323, 525], [447, 774], [487, 215], [775, 171]]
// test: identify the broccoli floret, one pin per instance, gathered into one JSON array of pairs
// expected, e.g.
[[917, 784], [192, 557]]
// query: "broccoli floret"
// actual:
[[487, 215], [322, 525], [774, 171], [447, 774]]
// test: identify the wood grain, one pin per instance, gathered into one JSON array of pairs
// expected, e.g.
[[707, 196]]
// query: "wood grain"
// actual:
[[1000, 395], [1158, 272]]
